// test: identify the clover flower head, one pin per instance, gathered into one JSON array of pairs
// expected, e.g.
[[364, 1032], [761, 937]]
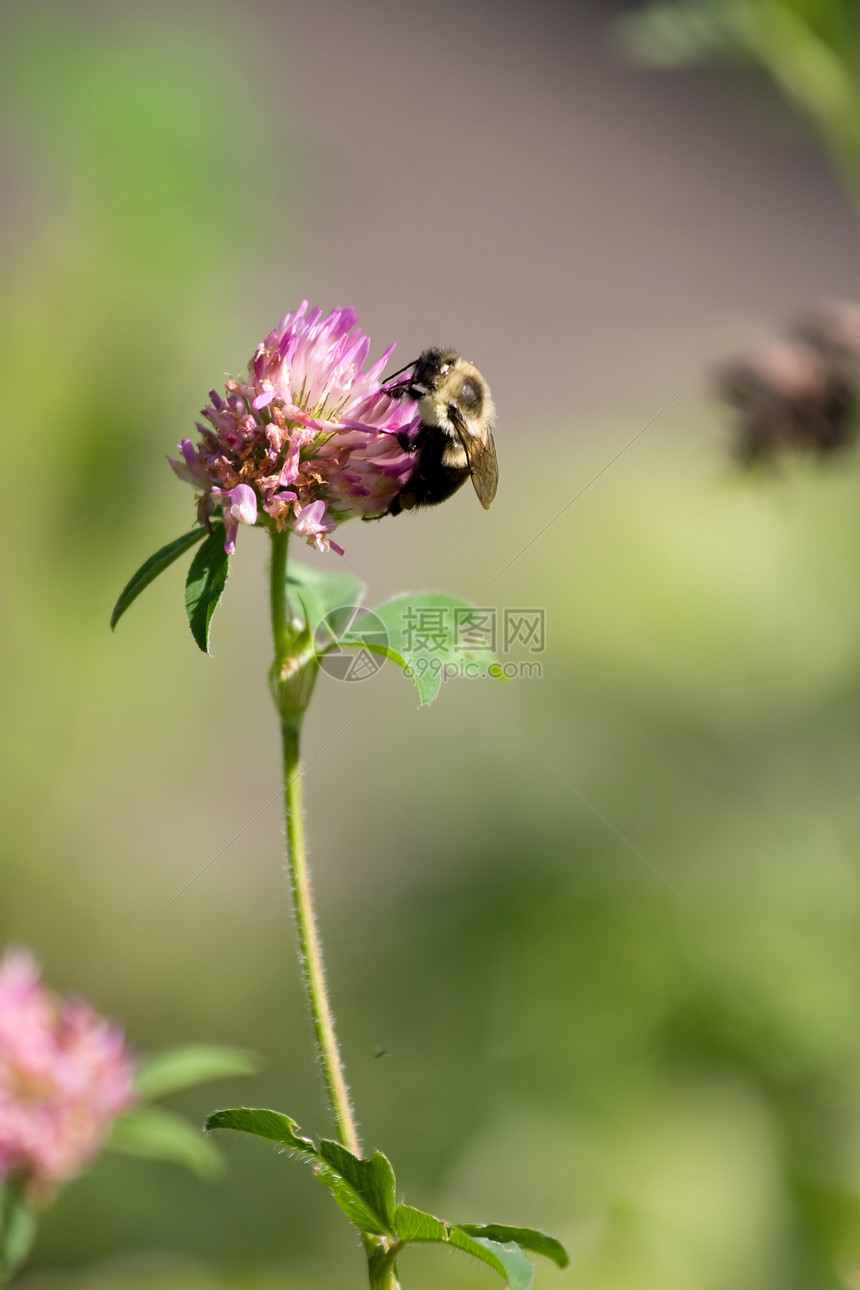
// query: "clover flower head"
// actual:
[[832, 328], [65, 1074], [308, 440], [792, 393]]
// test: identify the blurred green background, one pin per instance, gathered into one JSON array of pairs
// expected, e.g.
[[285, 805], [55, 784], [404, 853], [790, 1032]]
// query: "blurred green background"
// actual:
[[669, 1083]]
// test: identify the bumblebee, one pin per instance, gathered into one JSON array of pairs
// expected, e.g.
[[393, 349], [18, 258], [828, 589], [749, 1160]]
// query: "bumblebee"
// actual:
[[455, 439]]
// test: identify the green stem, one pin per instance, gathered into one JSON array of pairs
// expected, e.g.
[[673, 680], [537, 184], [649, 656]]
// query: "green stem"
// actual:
[[17, 1228], [278, 597], [310, 949], [292, 678], [382, 1267], [287, 647]]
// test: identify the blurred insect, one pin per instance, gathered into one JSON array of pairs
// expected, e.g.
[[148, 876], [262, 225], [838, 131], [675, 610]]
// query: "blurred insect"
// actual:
[[455, 439]]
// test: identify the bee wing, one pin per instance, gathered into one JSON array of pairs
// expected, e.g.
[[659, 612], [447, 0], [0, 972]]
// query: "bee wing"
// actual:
[[481, 456]]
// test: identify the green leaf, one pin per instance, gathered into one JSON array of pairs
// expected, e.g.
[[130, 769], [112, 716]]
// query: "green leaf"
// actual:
[[160, 1135], [176, 1068], [528, 1238], [414, 1225], [205, 585], [427, 634], [363, 1189], [508, 1260], [320, 592], [150, 569], [263, 1123]]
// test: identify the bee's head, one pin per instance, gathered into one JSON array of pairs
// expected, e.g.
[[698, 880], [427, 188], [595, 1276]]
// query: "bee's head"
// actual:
[[432, 366]]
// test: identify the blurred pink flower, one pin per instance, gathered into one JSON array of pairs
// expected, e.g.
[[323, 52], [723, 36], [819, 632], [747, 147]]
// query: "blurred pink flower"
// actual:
[[310, 439], [65, 1074]]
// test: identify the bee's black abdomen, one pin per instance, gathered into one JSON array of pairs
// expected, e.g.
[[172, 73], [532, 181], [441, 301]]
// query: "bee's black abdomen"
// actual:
[[432, 481]]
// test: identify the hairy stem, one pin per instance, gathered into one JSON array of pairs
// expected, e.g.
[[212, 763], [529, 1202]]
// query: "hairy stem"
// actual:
[[292, 678], [382, 1266], [310, 948], [281, 626]]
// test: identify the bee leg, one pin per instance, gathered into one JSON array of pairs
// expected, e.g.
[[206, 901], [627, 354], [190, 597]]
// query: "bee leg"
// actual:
[[407, 444], [396, 391], [404, 501]]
